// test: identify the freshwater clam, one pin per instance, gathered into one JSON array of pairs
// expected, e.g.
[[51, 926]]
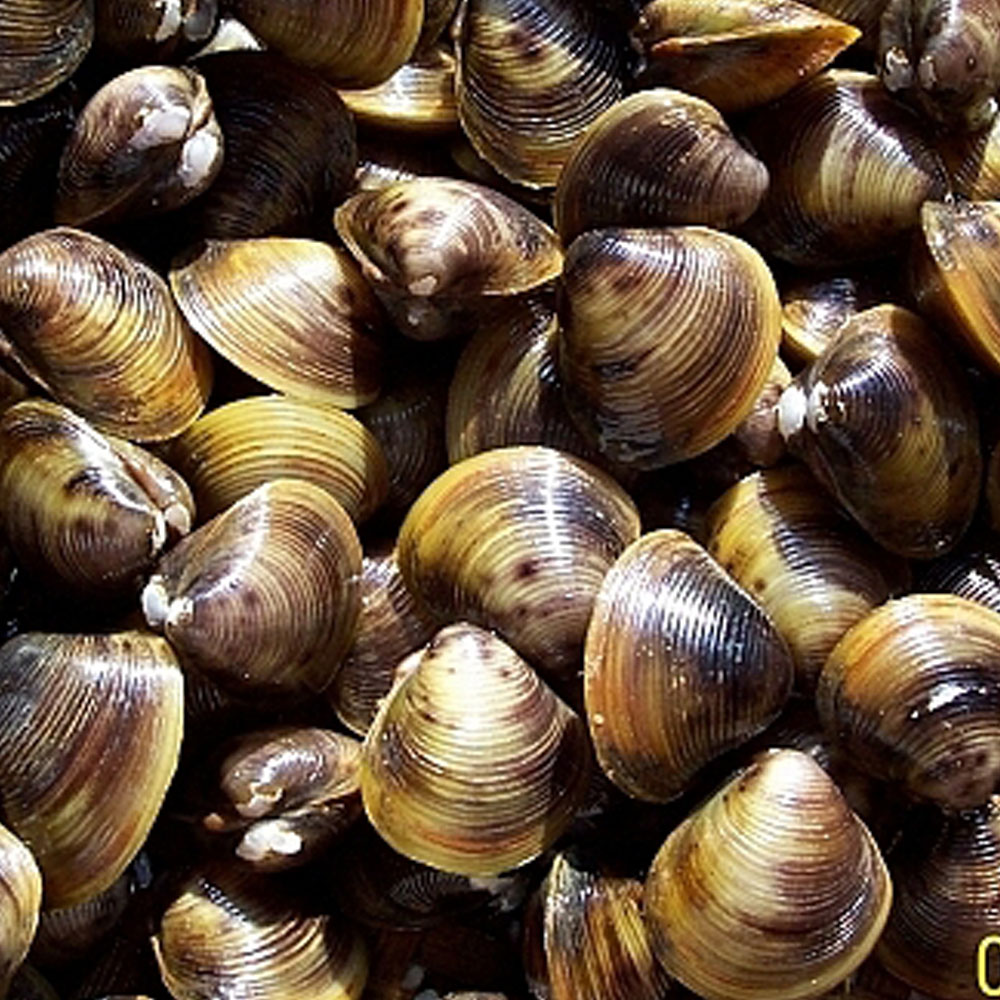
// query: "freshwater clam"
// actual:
[[148, 31], [773, 889], [20, 902], [473, 764]]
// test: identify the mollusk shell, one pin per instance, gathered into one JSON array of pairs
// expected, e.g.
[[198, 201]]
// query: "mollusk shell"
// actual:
[[772, 890], [680, 665], [518, 539], [473, 765], [912, 693], [20, 902], [667, 338]]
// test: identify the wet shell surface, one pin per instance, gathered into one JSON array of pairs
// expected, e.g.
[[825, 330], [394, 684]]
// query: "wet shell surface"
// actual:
[[518, 539], [657, 158], [100, 331], [264, 597], [473, 765], [667, 337], [773, 889], [295, 314], [680, 665], [235, 448], [532, 75], [73, 710], [912, 693], [884, 420], [20, 903], [737, 54]]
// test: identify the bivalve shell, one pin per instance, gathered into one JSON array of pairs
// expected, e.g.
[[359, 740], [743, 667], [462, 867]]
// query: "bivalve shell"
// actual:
[[20, 903]]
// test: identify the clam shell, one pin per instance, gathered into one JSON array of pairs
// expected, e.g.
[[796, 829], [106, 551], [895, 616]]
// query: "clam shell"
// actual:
[[237, 447], [657, 158], [140, 32], [912, 693], [884, 420], [75, 709], [264, 596], [667, 337], [772, 889], [973, 161], [295, 314], [100, 332], [680, 665], [474, 792], [21, 895], [518, 539], [531, 76], [737, 54], [974, 574]]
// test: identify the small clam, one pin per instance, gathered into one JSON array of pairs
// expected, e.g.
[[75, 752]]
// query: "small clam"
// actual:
[[667, 337], [263, 597], [147, 141], [20, 902], [884, 420], [473, 765], [912, 693], [150, 31], [518, 539], [680, 665], [772, 890]]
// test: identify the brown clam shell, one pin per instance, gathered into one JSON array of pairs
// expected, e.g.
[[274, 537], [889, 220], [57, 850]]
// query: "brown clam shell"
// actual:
[[77, 711], [20, 903], [263, 597], [295, 314], [912, 693], [518, 539], [680, 665], [667, 337], [773, 889], [140, 32], [473, 792]]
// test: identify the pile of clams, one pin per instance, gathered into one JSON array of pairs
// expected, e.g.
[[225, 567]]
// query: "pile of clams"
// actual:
[[499, 499]]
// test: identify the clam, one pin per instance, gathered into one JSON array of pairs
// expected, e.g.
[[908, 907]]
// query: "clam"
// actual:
[[91, 730], [518, 539], [789, 545], [884, 421], [680, 665], [264, 596], [431, 246], [973, 573], [21, 894], [667, 337], [473, 765], [81, 508], [739, 53], [148, 31], [912, 693], [973, 161], [531, 76], [657, 158], [236, 447], [295, 314], [772, 889], [849, 168], [43, 44], [147, 141], [225, 932], [100, 332]]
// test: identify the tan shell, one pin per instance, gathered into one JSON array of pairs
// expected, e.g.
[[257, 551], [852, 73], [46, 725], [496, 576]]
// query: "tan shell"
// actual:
[[531, 77], [657, 158], [772, 890], [237, 447], [474, 792], [737, 54], [884, 420], [680, 665], [147, 141], [667, 338], [100, 331], [295, 314], [89, 510], [264, 597], [850, 168], [518, 539], [352, 43], [973, 161], [226, 932], [74, 709], [20, 902], [780, 536], [912, 693]]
